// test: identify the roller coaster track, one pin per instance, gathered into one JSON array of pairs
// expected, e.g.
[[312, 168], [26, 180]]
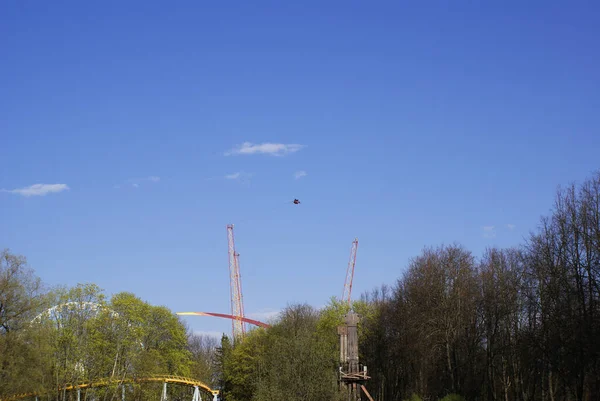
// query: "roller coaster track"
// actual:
[[225, 316], [107, 382]]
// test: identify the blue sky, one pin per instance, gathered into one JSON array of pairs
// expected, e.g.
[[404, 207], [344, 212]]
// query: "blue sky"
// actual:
[[415, 124]]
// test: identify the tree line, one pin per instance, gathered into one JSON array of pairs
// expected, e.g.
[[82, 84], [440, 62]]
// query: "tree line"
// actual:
[[517, 324]]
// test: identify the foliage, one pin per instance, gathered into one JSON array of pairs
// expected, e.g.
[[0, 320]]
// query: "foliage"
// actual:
[[222, 369], [83, 337], [298, 362], [21, 299], [203, 349], [293, 360], [20, 292], [517, 324], [453, 397]]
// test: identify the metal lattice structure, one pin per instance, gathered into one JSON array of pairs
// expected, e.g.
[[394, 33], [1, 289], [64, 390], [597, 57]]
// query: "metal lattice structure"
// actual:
[[235, 286], [347, 294]]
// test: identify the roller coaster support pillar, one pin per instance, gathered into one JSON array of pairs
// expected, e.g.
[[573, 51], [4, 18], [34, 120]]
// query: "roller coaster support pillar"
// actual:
[[164, 392], [122, 392], [196, 396], [78, 394]]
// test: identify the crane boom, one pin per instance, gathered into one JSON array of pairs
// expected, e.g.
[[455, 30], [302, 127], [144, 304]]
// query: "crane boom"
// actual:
[[346, 296], [235, 286]]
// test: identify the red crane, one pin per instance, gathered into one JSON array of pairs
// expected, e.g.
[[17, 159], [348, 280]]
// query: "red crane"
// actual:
[[235, 285], [346, 296]]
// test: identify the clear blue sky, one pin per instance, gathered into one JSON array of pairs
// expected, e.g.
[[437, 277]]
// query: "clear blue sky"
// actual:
[[418, 124]]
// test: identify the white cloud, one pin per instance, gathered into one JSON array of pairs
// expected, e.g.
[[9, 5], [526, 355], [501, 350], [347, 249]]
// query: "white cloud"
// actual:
[[38, 189], [489, 231], [135, 185], [299, 174], [511, 226], [153, 178], [263, 315], [275, 149]]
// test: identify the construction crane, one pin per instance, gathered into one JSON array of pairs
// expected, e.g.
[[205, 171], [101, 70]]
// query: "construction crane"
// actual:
[[346, 296], [235, 285]]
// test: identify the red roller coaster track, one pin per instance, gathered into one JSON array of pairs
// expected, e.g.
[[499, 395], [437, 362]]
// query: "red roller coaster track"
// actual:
[[225, 316]]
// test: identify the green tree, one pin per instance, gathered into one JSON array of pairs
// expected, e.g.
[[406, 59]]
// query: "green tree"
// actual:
[[153, 340], [330, 317], [222, 370], [298, 363], [71, 316]]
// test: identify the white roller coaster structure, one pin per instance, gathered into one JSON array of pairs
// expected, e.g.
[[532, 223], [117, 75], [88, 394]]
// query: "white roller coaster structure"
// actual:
[[58, 312]]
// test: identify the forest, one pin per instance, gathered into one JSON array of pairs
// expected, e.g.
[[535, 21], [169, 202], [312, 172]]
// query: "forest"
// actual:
[[511, 324]]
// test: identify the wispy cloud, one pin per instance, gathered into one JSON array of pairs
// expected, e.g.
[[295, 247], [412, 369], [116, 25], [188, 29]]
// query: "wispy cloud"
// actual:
[[38, 189], [264, 315], [510, 226], [489, 231], [233, 176], [136, 182], [274, 149], [299, 174]]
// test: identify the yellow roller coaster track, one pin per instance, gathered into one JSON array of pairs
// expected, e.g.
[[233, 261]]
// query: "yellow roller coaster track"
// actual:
[[107, 382]]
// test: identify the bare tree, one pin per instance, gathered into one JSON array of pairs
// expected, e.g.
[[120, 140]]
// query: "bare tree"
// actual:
[[20, 291]]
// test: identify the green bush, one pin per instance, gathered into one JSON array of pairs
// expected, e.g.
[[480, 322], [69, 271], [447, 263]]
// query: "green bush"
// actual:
[[453, 397], [414, 397]]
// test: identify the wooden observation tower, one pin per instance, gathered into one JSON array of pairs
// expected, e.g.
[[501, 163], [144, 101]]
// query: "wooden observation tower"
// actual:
[[352, 374]]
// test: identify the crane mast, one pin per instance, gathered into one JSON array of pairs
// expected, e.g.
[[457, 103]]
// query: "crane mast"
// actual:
[[346, 296], [235, 285]]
